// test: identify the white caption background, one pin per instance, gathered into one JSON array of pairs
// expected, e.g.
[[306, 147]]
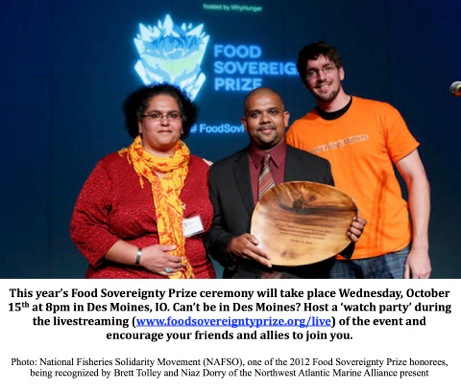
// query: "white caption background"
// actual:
[[74, 334]]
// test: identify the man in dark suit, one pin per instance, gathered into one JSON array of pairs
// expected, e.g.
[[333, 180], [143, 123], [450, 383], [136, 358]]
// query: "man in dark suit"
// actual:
[[234, 191]]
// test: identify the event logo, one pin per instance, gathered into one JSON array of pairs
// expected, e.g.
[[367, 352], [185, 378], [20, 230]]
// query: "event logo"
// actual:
[[172, 53]]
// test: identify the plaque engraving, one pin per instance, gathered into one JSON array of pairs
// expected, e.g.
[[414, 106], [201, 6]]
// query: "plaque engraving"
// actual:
[[302, 222]]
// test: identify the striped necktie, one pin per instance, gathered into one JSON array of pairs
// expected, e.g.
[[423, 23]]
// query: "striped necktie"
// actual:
[[266, 179], [266, 182]]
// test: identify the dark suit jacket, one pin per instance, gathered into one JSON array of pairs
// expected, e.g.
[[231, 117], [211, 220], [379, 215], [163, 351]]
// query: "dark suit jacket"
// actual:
[[232, 199]]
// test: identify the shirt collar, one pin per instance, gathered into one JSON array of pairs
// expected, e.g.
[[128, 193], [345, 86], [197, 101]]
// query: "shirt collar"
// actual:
[[334, 115], [277, 154]]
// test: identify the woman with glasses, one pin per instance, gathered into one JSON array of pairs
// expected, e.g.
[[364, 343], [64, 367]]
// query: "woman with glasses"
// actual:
[[144, 209]]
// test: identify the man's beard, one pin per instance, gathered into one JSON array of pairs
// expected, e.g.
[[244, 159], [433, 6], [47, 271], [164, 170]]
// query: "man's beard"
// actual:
[[326, 98]]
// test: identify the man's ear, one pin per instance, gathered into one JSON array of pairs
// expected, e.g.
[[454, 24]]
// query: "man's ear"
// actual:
[[342, 74], [286, 118], [245, 123]]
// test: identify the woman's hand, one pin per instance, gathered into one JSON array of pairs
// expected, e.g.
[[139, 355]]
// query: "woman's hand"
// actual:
[[157, 259]]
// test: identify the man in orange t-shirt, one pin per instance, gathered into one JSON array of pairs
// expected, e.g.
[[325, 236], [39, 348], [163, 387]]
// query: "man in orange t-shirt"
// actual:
[[363, 140]]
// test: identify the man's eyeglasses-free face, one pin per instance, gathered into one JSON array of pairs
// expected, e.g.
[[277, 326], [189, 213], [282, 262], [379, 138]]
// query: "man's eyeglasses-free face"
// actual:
[[272, 112]]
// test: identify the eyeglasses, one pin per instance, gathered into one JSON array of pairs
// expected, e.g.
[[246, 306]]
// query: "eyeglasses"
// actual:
[[158, 116], [315, 73], [272, 112]]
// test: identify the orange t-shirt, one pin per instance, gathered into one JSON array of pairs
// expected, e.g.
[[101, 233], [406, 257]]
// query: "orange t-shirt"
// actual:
[[362, 145]]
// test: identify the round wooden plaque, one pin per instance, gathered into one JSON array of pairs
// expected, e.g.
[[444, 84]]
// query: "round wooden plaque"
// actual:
[[302, 222]]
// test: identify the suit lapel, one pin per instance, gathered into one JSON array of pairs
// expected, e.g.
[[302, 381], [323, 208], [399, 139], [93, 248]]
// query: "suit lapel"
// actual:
[[293, 171], [241, 174]]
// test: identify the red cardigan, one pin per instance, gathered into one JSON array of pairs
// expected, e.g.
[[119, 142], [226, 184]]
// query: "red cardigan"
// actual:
[[113, 206]]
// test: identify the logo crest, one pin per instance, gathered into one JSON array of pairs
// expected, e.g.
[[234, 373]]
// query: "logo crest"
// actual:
[[173, 54]]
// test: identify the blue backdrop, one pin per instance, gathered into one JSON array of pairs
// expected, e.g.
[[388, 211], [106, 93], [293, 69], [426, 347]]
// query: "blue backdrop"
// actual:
[[66, 67]]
